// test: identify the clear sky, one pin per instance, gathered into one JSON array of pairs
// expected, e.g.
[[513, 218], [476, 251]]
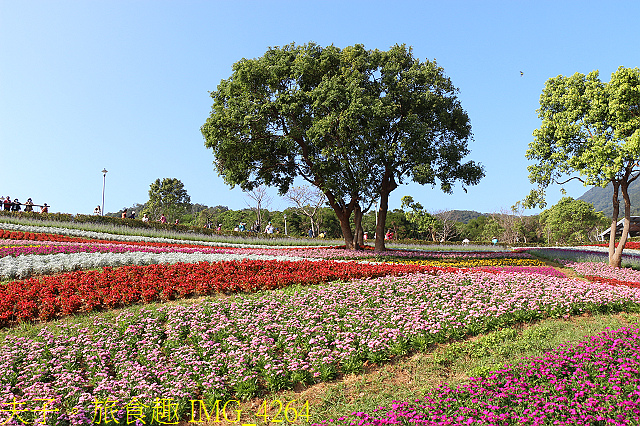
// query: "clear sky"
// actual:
[[123, 84]]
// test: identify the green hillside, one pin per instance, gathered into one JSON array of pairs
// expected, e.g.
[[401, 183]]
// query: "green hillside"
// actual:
[[465, 216], [601, 199]]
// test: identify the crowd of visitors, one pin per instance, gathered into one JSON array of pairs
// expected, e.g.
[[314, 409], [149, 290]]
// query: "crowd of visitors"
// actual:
[[16, 205], [126, 215], [242, 227]]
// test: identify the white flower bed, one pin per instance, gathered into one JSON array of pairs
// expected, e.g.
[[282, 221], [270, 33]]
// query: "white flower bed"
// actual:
[[106, 236], [33, 264]]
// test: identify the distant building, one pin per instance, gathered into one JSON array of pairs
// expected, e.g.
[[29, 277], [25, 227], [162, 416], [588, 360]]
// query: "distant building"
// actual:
[[634, 228]]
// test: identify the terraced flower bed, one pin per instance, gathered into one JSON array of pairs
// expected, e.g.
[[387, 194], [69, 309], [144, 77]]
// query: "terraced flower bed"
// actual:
[[603, 270], [248, 344], [289, 317], [23, 247]]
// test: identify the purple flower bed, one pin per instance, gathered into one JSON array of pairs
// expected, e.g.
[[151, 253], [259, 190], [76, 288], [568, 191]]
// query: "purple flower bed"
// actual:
[[577, 255], [596, 382], [24, 247], [333, 253]]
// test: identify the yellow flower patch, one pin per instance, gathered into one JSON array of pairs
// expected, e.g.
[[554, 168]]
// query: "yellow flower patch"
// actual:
[[473, 263]]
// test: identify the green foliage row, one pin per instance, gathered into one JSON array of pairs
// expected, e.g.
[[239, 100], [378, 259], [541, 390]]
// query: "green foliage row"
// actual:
[[114, 221]]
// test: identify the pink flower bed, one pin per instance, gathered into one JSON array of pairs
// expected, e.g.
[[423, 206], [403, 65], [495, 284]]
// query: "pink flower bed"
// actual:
[[541, 270], [605, 271]]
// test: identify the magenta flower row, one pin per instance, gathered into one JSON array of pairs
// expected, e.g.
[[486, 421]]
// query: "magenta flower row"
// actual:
[[596, 382], [24, 247]]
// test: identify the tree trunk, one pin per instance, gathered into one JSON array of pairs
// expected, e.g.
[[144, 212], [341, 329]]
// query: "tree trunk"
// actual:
[[382, 219], [616, 261], [614, 228], [357, 221], [259, 219], [387, 185], [344, 214], [314, 228], [345, 226]]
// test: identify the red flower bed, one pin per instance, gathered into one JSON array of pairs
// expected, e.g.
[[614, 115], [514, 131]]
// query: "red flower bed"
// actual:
[[634, 245], [612, 281], [39, 236], [50, 297], [36, 236], [364, 247], [342, 247]]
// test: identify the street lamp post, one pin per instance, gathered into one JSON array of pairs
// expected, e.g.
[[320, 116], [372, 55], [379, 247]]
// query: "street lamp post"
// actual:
[[104, 179], [285, 224]]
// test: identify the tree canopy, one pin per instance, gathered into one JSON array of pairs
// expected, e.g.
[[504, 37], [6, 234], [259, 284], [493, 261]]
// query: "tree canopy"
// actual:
[[168, 197], [353, 122], [571, 221], [590, 131], [422, 221]]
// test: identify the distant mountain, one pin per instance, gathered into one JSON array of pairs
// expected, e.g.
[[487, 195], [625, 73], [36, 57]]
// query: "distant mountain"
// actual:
[[601, 199], [465, 216]]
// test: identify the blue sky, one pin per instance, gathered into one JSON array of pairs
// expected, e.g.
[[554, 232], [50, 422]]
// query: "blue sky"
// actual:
[[123, 85]]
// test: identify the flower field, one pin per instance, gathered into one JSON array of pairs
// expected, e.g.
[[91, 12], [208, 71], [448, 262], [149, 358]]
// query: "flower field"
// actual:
[[290, 317], [605, 271], [270, 341]]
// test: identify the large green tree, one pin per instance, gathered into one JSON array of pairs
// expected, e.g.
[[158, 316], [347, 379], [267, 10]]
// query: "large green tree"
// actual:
[[168, 197], [423, 222], [590, 131], [416, 129], [352, 122], [275, 120], [571, 221]]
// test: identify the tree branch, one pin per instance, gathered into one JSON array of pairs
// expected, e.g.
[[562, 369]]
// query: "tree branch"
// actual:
[[575, 177]]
